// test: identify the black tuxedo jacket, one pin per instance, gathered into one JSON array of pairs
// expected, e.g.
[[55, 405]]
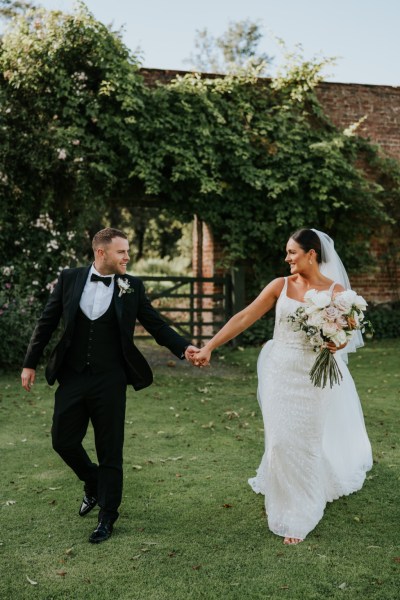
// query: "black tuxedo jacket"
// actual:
[[129, 307]]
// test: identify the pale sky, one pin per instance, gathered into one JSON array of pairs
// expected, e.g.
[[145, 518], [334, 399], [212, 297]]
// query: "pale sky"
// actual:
[[363, 34]]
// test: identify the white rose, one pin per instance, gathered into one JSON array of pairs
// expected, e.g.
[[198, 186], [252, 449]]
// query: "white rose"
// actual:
[[360, 302], [309, 300], [308, 296], [316, 318], [322, 299], [349, 295], [339, 338], [329, 330], [316, 300], [311, 308], [342, 303]]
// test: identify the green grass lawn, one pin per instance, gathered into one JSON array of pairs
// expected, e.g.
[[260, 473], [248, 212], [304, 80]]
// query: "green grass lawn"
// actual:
[[190, 526]]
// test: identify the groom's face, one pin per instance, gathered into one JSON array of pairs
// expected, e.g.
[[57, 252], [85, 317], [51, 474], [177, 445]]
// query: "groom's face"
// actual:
[[113, 257]]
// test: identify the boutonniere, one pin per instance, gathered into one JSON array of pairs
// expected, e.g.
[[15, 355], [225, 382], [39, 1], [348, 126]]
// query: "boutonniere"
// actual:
[[124, 286]]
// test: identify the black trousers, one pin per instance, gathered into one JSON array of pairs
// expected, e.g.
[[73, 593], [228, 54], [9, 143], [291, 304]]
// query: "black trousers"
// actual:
[[99, 398]]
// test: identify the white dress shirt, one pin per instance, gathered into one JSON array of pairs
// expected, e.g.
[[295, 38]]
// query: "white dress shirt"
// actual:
[[96, 297]]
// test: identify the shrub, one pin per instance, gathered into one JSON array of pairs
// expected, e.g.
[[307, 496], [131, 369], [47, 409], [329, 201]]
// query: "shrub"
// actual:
[[385, 320], [20, 306], [17, 316], [260, 332]]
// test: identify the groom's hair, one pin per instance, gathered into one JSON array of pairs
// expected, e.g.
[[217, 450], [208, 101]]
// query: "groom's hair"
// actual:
[[105, 236]]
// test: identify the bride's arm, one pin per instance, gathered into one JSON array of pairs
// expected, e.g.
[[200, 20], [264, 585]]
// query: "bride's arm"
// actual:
[[242, 320]]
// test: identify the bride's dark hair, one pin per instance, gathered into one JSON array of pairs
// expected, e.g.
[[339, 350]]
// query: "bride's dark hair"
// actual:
[[308, 240]]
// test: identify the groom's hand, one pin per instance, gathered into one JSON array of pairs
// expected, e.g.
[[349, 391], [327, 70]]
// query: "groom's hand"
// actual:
[[28, 378], [190, 352], [193, 357], [201, 358]]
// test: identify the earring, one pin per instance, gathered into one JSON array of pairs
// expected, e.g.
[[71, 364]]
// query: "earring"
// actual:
[[310, 261]]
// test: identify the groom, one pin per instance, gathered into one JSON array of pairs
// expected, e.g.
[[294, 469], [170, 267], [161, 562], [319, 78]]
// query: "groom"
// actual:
[[93, 362]]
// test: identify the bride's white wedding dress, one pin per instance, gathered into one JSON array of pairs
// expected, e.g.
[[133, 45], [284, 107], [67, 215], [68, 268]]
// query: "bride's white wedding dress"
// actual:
[[316, 445]]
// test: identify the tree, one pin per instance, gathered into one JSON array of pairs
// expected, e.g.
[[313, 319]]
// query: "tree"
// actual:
[[235, 49], [13, 8], [71, 95]]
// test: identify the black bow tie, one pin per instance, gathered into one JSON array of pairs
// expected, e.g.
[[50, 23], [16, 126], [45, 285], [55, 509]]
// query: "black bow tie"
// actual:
[[105, 280]]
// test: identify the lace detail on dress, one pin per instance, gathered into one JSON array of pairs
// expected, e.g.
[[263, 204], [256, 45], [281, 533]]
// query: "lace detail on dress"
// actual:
[[283, 330]]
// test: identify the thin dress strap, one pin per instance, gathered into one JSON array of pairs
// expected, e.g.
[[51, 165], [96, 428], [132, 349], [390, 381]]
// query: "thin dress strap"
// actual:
[[284, 289], [332, 286]]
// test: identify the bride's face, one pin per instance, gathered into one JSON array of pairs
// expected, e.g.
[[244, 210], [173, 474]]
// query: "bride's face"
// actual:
[[297, 259]]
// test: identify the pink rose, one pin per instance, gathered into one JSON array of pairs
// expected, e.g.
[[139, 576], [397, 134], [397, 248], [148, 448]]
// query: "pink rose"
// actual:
[[331, 313]]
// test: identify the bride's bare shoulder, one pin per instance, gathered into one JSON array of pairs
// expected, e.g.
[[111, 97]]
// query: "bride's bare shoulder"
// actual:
[[276, 286]]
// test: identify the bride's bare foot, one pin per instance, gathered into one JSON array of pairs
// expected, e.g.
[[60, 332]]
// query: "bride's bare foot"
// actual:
[[289, 541]]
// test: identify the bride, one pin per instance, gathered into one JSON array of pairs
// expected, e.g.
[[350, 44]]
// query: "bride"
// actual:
[[316, 445]]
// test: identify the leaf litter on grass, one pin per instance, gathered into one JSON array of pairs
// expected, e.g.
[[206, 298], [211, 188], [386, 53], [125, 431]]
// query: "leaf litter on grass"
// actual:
[[190, 520]]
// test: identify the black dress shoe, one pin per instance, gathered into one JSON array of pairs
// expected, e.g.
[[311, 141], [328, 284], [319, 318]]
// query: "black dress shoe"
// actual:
[[102, 532], [88, 504]]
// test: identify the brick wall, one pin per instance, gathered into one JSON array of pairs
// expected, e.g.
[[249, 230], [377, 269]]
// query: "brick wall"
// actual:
[[381, 283], [345, 104], [206, 254]]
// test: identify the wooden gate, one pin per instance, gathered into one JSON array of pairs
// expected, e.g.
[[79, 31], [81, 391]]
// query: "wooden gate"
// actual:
[[195, 306]]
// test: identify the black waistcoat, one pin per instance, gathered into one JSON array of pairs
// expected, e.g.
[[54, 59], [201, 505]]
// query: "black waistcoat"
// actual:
[[96, 344]]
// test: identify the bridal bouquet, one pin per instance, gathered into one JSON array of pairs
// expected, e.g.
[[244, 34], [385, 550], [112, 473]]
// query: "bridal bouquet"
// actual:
[[329, 319]]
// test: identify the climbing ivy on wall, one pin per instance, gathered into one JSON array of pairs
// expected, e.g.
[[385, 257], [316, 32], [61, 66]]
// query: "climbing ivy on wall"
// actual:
[[257, 161]]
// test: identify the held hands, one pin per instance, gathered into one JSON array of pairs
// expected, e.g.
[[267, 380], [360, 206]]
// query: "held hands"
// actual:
[[197, 357]]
